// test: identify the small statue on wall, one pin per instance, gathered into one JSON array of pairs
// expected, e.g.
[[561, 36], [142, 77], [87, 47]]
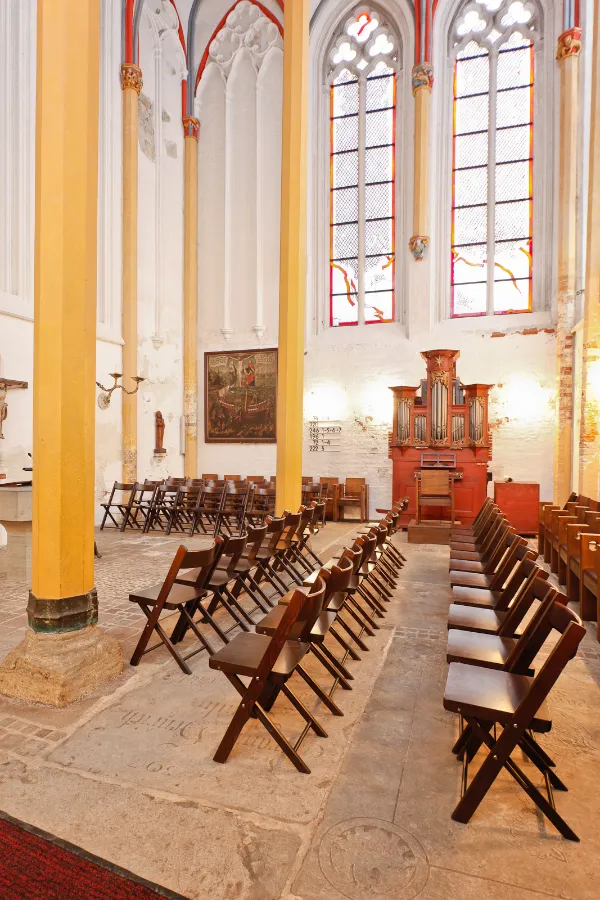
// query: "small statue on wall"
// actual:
[[159, 434]]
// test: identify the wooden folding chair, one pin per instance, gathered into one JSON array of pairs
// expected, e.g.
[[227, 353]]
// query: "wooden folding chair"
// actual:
[[232, 515], [505, 623], [119, 506], [177, 598], [269, 663], [511, 705], [500, 599], [163, 508], [208, 508], [493, 651]]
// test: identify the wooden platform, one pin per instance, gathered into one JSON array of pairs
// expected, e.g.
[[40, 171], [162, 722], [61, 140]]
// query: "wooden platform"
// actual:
[[431, 531]]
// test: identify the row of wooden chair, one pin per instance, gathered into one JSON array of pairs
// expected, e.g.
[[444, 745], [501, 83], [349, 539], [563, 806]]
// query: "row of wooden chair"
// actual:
[[191, 506], [569, 542], [504, 614], [273, 571]]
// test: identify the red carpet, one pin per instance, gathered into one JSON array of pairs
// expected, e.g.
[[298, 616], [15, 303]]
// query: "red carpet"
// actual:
[[37, 866]]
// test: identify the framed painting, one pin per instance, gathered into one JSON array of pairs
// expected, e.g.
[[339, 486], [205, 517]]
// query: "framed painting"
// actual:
[[240, 397]]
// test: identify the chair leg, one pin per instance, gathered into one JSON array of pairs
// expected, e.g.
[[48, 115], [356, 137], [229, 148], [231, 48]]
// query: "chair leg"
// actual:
[[325, 700]]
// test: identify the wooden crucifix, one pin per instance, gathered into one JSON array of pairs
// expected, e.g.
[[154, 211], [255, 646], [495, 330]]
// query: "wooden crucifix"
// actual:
[[7, 384]]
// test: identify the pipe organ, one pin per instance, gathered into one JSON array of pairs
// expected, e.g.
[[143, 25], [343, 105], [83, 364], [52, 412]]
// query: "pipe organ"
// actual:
[[442, 414]]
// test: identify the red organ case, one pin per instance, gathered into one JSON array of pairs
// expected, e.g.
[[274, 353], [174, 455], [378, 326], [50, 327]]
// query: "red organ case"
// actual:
[[441, 423]]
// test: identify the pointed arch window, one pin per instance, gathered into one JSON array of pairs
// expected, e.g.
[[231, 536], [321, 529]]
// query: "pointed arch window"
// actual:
[[362, 73], [492, 244]]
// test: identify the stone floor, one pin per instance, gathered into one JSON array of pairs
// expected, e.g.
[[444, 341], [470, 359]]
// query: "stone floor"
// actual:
[[128, 773]]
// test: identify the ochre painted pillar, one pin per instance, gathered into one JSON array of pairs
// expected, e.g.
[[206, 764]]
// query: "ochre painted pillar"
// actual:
[[131, 82], [589, 445], [292, 283], [568, 59], [191, 130], [64, 654], [422, 82]]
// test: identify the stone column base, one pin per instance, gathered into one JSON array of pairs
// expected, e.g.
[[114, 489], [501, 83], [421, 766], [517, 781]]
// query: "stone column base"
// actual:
[[57, 669]]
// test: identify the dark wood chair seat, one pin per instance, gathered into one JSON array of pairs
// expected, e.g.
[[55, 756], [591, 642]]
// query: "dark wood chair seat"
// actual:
[[177, 595], [469, 579], [469, 618], [466, 565], [269, 624], [466, 596], [244, 655], [464, 554], [490, 695], [487, 650]]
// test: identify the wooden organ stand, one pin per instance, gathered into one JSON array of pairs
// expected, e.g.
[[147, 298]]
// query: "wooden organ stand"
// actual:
[[447, 417]]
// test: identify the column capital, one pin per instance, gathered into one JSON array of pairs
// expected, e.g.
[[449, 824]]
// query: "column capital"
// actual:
[[422, 77], [131, 77], [191, 127], [417, 246], [569, 44]]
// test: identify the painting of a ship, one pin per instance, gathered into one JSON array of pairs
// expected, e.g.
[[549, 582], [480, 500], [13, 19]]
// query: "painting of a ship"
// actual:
[[240, 396]]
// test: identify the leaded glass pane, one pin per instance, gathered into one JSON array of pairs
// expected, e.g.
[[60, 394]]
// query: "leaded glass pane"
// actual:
[[512, 260], [345, 205], [380, 93], [512, 296], [344, 241], [512, 220], [342, 312], [513, 143], [379, 307], [470, 150], [469, 264], [513, 107], [512, 181], [514, 69], [345, 99], [379, 273], [378, 200], [345, 134], [469, 299], [379, 164], [470, 224], [379, 236], [379, 128], [470, 186], [471, 114], [344, 169], [472, 76]]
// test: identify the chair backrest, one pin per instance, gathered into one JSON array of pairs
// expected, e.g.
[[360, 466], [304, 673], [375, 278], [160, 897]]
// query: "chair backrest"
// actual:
[[569, 626], [144, 493], [231, 552], [189, 495], [535, 588], [354, 554], [353, 486], [536, 632], [299, 609], [368, 548], [435, 482], [337, 578], [203, 560], [292, 521], [171, 480], [149, 483], [311, 610], [195, 482], [232, 477], [210, 477], [264, 501], [307, 479], [255, 535], [275, 526]]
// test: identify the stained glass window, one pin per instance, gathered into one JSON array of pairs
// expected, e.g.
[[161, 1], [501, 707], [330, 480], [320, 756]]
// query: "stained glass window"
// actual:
[[362, 84], [492, 159]]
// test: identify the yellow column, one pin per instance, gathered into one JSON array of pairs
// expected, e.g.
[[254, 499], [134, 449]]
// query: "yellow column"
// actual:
[[191, 130], [422, 82], [567, 55], [589, 444], [292, 283], [64, 654], [131, 82]]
